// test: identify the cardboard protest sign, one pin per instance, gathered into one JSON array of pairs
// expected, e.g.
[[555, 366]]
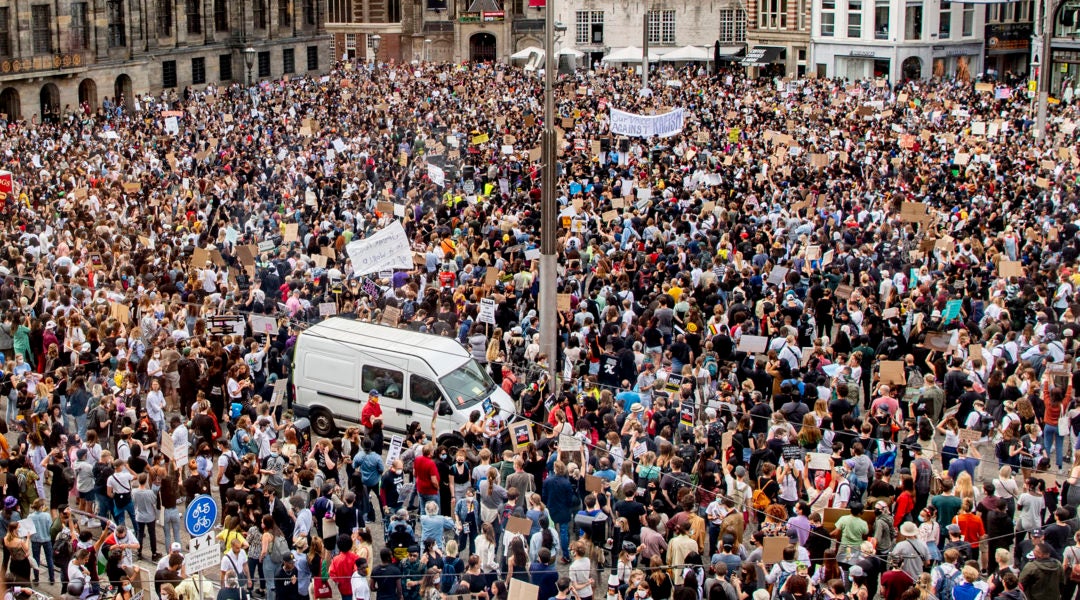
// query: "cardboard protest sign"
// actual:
[[818, 461], [936, 341], [1010, 268], [519, 525], [520, 590], [594, 484], [970, 436], [892, 372], [521, 434], [773, 549], [753, 344]]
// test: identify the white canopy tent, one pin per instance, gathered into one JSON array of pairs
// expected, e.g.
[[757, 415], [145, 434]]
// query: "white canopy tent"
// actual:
[[630, 54], [526, 53], [570, 52], [688, 54]]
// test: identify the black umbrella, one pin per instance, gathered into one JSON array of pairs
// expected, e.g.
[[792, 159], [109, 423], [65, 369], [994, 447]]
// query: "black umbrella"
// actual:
[[716, 59]]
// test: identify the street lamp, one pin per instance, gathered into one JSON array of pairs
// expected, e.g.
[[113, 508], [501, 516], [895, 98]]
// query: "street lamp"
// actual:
[[427, 50], [375, 41], [249, 59], [549, 322]]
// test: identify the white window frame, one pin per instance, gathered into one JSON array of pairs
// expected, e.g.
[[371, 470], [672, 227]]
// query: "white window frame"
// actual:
[[827, 28], [855, 19]]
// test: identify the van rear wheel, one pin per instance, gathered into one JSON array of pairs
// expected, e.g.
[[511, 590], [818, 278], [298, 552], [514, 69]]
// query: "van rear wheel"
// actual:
[[322, 423]]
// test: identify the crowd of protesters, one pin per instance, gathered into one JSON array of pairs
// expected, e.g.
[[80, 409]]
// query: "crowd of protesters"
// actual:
[[819, 344]]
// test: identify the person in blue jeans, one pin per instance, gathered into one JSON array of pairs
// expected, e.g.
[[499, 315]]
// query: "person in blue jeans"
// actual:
[[560, 499], [119, 487], [41, 539]]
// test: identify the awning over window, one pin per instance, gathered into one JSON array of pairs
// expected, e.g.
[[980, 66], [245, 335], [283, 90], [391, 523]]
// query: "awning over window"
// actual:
[[762, 55]]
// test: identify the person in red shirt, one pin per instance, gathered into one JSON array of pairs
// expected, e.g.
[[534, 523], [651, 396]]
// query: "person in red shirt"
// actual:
[[905, 502], [427, 476], [372, 410], [895, 581], [343, 566], [971, 526]]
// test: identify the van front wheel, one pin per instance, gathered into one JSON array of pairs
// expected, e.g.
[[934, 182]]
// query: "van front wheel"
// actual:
[[322, 423]]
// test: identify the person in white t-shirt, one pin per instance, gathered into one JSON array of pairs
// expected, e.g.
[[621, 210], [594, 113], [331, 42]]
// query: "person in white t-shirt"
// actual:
[[235, 563], [359, 582]]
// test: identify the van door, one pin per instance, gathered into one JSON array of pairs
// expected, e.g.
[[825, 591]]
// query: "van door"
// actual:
[[424, 394], [390, 382]]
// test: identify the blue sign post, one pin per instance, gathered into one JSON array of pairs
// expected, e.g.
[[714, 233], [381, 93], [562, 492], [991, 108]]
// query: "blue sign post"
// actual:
[[201, 515]]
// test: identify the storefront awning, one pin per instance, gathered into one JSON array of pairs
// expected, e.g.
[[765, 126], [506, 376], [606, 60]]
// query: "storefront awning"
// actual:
[[731, 53], [762, 55]]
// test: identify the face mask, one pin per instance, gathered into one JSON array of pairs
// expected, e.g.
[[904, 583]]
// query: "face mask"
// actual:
[[438, 579], [642, 594], [444, 457], [127, 588]]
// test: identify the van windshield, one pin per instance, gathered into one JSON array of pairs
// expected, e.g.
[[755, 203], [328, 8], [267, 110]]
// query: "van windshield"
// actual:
[[469, 382]]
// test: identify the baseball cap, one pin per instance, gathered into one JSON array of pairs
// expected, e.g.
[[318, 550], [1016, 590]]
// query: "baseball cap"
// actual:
[[856, 571], [1037, 532], [954, 528], [176, 547], [728, 541]]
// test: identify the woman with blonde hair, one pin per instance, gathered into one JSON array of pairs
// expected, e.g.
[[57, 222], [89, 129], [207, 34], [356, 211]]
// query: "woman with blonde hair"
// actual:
[[667, 452], [809, 433], [821, 411], [965, 488]]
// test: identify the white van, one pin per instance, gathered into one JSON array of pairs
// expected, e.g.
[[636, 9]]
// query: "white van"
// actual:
[[338, 361]]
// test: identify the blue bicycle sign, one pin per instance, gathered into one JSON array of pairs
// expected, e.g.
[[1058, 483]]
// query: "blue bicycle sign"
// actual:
[[201, 515]]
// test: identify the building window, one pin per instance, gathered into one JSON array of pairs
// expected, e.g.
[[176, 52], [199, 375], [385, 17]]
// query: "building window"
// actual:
[[264, 64], [309, 12], [828, 18], [284, 13], [288, 60], [944, 29], [881, 19], [114, 12], [221, 15], [800, 15], [198, 71], [589, 27], [913, 22], [5, 32], [1023, 11], [854, 19], [194, 21], [732, 25], [258, 13], [340, 11], [333, 49], [313, 55], [661, 27], [393, 11], [41, 28], [168, 74], [225, 67], [773, 14], [969, 20], [164, 17]]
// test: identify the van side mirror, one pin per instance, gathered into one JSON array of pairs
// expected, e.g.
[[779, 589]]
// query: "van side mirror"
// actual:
[[445, 410]]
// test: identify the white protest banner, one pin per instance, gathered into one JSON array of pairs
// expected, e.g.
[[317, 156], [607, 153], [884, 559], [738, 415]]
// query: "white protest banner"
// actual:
[[436, 175], [263, 324], [630, 124], [388, 248]]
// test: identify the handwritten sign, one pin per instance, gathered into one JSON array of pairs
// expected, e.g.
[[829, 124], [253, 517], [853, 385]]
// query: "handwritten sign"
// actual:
[[388, 248]]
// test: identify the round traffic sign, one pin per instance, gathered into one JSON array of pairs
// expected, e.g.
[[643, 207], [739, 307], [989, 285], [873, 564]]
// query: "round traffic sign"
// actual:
[[201, 515]]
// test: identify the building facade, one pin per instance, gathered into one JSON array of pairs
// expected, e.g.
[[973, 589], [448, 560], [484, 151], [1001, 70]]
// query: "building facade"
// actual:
[[459, 30], [59, 55], [595, 27], [897, 39], [778, 37]]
